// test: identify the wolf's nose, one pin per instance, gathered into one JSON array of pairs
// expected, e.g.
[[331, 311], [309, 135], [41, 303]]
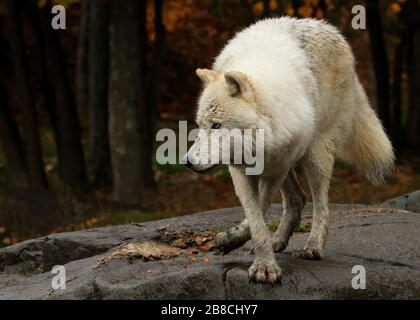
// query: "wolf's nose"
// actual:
[[188, 164]]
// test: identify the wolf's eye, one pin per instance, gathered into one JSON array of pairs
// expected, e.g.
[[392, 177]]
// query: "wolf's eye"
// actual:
[[216, 125]]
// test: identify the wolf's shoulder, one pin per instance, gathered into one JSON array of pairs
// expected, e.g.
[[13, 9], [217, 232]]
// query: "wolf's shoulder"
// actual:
[[261, 41]]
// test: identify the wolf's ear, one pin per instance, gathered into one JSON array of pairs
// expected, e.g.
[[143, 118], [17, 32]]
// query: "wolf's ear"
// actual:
[[206, 75], [237, 83]]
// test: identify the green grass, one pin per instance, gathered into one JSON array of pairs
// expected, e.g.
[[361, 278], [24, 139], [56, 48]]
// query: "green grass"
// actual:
[[172, 168], [273, 225], [303, 227], [223, 172], [218, 229]]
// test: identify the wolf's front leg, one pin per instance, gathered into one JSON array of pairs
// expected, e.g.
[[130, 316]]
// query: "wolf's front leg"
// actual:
[[265, 268], [236, 236]]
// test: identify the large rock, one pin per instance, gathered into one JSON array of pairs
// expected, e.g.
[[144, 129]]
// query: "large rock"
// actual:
[[385, 241], [409, 201]]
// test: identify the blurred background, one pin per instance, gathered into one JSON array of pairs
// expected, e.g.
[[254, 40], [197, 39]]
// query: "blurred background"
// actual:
[[79, 107]]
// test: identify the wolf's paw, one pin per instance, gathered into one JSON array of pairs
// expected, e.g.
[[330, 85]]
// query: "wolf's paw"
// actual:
[[229, 240], [309, 254], [264, 272], [279, 245]]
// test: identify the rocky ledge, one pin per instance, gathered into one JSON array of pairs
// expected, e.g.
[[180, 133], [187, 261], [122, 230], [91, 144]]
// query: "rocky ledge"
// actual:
[[173, 259]]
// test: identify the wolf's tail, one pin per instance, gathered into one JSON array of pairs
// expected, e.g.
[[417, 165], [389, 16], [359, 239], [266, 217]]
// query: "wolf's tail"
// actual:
[[369, 148]]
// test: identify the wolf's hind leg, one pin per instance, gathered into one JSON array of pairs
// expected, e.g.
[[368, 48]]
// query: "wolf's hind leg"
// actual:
[[318, 165], [293, 202], [233, 238]]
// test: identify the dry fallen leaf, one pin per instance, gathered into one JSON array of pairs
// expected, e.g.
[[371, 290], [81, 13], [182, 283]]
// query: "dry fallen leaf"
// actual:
[[147, 250], [172, 244]]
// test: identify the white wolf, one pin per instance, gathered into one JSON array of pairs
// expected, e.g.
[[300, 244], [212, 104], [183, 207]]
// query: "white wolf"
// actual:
[[296, 79]]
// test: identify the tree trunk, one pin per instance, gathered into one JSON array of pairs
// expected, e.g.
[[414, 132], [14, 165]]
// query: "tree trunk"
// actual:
[[296, 5], [322, 6], [413, 66], [397, 94], [99, 156], [397, 83], [154, 92], [70, 153], [249, 11], [32, 139], [266, 9], [46, 88], [82, 54], [379, 60], [12, 145], [127, 112]]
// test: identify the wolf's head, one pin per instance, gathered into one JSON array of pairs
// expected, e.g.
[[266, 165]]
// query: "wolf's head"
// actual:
[[227, 108]]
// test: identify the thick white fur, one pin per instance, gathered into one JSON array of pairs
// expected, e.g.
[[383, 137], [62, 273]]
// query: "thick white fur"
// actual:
[[296, 80]]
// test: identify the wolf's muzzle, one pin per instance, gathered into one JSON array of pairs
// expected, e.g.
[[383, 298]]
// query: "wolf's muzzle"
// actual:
[[188, 164]]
